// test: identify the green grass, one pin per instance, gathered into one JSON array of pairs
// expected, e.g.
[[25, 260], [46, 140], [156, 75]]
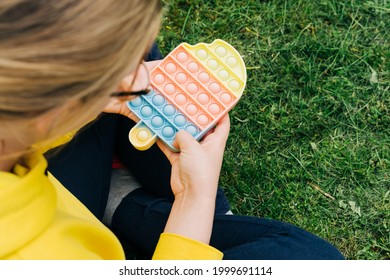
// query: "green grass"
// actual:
[[310, 138]]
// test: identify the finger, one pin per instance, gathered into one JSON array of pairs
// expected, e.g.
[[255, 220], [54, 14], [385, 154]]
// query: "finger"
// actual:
[[185, 141], [125, 83], [152, 64], [171, 156], [221, 131]]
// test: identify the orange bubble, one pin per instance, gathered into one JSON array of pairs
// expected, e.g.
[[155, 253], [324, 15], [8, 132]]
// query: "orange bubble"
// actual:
[[170, 68], [203, 98], [204, 77], [159, 79], [202, 119], [182, 57], [214, 109], [215, 87], [180, 99], [225, 98], [181, 78], [192, 88], [170, 89], [192, 109], [193, 67]]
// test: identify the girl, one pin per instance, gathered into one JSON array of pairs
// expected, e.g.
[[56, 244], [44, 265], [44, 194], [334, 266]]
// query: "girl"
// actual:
[[60, 61]]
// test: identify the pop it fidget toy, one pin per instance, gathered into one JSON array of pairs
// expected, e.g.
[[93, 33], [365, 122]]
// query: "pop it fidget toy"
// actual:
[[192, 88]]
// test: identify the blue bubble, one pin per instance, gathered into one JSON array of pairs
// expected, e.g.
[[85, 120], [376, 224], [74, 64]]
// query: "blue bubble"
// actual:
[[169, 110], [191, 129], [136, 102], [157, 121], [146, 111], [179, 120], [158, 100], [168, 131]]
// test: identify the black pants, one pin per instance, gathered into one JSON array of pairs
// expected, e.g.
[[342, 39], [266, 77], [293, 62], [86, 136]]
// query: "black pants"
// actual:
[[84, 167]]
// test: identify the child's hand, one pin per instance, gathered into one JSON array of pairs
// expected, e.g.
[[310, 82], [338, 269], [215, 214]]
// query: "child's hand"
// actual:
[[118, 105], [194, 181], [197, 167]]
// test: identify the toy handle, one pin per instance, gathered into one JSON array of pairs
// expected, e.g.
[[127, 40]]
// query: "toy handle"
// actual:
[[141, 137]]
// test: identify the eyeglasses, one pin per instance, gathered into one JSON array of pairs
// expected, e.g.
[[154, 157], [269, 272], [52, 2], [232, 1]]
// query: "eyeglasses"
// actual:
[[139, 85]]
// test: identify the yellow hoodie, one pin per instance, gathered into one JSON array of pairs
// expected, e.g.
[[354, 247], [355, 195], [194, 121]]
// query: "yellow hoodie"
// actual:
[[40, 219]]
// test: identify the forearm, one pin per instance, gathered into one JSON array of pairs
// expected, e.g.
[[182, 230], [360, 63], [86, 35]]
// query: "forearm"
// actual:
[[192, 216]]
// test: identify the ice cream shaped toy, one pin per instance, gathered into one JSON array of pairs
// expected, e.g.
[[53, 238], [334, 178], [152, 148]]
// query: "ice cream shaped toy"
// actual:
[[192, 89]]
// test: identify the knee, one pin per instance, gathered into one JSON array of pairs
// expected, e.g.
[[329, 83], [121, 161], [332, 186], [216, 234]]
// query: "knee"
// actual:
[[301, 244]]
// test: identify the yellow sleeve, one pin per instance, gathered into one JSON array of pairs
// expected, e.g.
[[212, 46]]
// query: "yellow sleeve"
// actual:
[[176, 247]]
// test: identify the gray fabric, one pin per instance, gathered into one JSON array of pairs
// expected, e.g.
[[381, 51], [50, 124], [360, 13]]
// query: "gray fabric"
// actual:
[[122, 183]]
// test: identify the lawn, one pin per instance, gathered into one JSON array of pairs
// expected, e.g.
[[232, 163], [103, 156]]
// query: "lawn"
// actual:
[[310, 138]]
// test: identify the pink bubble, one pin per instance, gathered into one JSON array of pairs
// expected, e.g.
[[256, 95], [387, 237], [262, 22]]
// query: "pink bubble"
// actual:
[[204, 77], [182, 57], [203, 98], [180, 99], [215, 87], [181, 78], [159, 79], [193, 67], [170, 89], [202, 119], [170, 68], [192, 109], [225, 98], [214, 109], [192, 88]]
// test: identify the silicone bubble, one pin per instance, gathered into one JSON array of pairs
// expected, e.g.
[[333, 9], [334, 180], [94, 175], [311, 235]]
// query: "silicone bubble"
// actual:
[[159, 79], [143, 135], [170, 68], [214, 109], [168, 131], [193, 67], [203, 98], [146, 111], [157, 121], [181, 78], [136, 103], [212, 64], [170, 89], [181, 99], [202, 53], [204, 77], [231, 61], [158, 100], [179, 120], [221, 51], [191, 129], [191, 109], [225, 98], [223, 74], [193, 87], [169, 110], [182, 56]]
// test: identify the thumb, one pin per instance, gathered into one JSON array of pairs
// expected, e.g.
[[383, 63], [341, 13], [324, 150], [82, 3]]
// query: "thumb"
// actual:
[[184, 141]]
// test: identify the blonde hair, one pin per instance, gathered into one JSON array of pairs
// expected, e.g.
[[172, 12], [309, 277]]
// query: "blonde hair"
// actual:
[[52, 52]]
